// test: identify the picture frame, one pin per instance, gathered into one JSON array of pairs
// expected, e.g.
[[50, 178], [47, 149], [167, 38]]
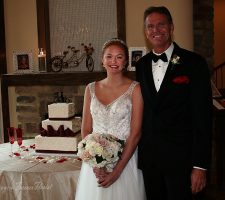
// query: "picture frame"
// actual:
[[23, 62], [135, 53]]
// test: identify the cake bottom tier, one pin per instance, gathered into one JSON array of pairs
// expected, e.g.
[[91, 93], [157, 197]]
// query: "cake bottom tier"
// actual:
[[57, 144]]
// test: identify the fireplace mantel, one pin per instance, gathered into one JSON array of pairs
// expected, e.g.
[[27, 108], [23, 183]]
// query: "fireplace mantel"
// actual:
[[78, 78], [42, 79]]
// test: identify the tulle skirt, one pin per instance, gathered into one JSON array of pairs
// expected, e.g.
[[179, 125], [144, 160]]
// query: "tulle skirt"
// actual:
[[129, 186]]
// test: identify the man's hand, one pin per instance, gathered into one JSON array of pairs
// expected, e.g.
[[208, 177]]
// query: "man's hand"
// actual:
[[198, 180]]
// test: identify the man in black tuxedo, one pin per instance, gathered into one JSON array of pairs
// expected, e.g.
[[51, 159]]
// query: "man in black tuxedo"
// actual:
[[175, 147]]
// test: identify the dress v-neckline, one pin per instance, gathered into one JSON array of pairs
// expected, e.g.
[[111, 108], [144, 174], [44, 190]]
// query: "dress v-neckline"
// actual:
[[116, 99]]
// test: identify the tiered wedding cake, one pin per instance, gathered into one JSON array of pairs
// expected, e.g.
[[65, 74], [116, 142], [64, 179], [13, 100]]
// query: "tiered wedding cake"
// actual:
[[61, 132]]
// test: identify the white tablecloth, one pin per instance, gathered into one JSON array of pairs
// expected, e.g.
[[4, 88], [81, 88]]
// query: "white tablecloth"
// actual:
[[24, 180]]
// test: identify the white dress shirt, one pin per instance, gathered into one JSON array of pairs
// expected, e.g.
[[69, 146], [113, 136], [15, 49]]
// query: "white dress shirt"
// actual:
[[159, 68]]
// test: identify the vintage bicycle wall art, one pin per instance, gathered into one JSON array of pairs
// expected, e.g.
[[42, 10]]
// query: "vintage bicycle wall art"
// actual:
[[72, 57]]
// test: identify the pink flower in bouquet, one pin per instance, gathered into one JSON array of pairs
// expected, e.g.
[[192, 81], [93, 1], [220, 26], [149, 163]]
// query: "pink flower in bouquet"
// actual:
[[101, 150]]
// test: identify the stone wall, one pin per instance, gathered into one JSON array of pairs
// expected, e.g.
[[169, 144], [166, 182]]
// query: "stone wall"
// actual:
[[32, 104], [203, 12], [204, 44]]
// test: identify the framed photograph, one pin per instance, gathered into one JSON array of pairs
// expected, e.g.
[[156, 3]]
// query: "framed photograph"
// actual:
[[135, 53], [23, 62]]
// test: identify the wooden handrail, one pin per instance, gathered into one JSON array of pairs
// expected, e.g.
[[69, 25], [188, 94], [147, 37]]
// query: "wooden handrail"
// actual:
[[218, 66], [218, 75]]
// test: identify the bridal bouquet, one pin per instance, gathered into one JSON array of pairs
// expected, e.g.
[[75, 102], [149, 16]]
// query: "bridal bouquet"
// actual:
[[100, 150]]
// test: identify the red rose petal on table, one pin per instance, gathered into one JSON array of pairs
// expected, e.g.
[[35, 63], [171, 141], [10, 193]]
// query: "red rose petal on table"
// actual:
[[61, 160], [32, 146], [26, 149], [39, 157], [16, 154]]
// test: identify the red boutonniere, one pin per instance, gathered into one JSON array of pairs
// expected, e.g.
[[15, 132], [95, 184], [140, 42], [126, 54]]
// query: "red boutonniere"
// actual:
[[181, 80]]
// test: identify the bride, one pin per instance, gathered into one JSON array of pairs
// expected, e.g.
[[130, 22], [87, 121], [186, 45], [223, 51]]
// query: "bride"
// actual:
[[114, 106]]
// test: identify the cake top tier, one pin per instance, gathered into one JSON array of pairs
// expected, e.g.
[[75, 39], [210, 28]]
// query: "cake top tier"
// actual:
[[61, 110]]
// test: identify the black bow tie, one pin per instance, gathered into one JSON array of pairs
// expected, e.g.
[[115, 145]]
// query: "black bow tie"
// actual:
[[163, 57]]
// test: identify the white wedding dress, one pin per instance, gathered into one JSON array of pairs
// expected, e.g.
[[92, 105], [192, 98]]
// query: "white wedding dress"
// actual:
[[113, 118]]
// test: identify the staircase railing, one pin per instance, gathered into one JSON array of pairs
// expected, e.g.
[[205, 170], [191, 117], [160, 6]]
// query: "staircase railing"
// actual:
[[218, 76]]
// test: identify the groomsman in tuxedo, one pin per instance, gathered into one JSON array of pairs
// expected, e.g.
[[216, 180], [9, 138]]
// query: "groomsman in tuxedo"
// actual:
[[175, 148]]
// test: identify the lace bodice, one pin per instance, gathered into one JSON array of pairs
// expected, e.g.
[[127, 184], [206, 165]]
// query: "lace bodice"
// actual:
[[115, 117]]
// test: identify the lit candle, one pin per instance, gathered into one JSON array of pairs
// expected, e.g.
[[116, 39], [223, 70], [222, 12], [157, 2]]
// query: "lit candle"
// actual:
[[42, 61]]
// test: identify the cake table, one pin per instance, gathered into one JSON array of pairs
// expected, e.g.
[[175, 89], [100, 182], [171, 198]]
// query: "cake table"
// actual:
[[21, 179]]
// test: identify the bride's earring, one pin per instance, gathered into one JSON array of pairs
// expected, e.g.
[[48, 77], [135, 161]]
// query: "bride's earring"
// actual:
[[103, 68]]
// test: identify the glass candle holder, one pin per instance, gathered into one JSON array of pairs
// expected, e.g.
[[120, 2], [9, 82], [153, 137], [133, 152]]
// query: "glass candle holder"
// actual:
[[42, 61]]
